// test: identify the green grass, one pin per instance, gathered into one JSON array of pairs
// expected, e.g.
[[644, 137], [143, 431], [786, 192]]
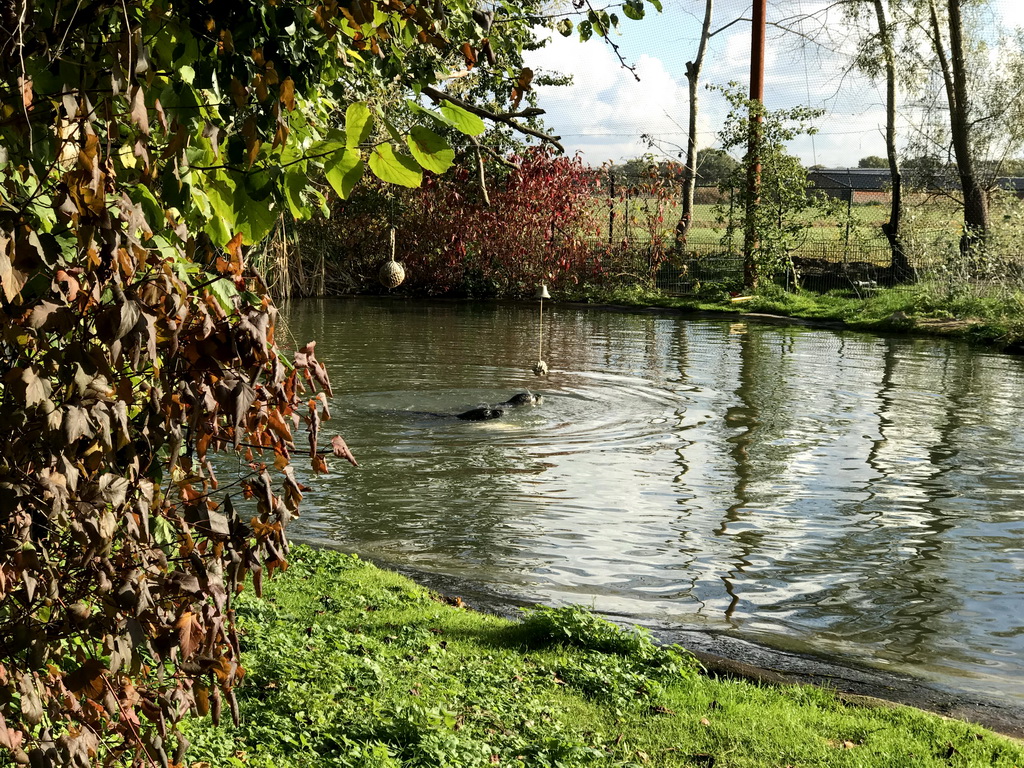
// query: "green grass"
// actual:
[[350, 665], [924, 309], [931, 226]]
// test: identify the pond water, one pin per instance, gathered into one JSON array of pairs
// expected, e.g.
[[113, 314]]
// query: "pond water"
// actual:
[[813, 490]]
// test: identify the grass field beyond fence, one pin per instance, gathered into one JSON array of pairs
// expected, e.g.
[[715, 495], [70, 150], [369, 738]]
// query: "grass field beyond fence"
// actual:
[[640, 227]]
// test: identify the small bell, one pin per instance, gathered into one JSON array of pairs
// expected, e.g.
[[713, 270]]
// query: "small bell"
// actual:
[[542, 292]]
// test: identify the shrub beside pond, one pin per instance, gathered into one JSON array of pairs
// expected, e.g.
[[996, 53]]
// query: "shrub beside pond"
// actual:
[[352, 665]]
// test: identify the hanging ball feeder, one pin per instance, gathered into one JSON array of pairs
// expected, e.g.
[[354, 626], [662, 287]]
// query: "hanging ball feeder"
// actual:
[[391, 274], [540, 368]]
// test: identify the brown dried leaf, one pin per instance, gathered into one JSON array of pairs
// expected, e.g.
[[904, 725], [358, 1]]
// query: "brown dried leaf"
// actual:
[[31, 704], [37, 387], [77, 424], [226, 44], [87, 680], [288, 93], [9, 738], [72, 286], [234, 246], [25, 86], [239, 93], [190, 634], [341, 450], [13, 280], [279, 426], [305, 355], [319, 371], [525, 78], [319, 464], [202, 694], [259, 83], [325, 412], [137, 110]]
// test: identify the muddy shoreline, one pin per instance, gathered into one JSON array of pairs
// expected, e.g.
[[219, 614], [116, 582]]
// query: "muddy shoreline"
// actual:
[[728, 656]]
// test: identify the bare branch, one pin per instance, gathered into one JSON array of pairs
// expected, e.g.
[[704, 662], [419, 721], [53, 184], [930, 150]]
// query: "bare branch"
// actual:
[[614, 45]]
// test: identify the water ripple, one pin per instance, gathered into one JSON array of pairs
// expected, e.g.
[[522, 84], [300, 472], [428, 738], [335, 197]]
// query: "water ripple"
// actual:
[[817, 490]]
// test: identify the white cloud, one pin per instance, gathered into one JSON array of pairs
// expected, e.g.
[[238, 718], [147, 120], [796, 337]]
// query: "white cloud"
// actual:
[[605, 111]]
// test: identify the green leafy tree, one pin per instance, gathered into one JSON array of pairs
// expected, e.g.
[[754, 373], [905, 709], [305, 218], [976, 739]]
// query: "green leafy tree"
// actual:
[[145, 147], [715, 166], [872, 161], [780, 217]]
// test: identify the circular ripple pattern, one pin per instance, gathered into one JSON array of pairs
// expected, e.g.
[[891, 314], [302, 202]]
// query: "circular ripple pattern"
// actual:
[[818, 491]]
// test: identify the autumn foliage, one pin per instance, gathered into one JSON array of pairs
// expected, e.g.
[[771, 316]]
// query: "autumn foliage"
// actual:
[[545, 219], [142, 149], [539, 225], [145, 148]]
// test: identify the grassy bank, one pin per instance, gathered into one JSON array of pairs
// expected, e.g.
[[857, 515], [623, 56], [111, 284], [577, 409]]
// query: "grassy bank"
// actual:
[[351, 665], [996, 322]]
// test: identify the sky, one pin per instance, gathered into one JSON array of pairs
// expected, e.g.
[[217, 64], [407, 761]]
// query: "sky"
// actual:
[[605, 111]]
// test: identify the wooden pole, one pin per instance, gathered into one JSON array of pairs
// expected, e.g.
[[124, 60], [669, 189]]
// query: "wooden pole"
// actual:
[[750, 239]]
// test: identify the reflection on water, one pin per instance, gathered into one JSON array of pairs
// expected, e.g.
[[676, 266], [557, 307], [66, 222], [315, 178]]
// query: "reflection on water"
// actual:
[[811, 489]]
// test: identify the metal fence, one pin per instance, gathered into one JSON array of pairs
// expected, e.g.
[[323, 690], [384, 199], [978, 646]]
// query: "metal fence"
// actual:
[[840, 245]]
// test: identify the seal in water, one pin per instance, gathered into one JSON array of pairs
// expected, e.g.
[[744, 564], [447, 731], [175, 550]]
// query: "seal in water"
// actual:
[[486, 413], [480, 414]]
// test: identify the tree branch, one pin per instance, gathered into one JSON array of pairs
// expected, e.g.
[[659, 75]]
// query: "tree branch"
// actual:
[[505, 118], [615, 46]]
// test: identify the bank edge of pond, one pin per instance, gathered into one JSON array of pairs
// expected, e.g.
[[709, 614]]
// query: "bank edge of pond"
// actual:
[[869, 315], [730, 657], [986, 327], [353, 666]]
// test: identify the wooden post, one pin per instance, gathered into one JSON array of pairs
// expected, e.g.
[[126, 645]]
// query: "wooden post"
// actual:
[[611, 207], [750, 239]]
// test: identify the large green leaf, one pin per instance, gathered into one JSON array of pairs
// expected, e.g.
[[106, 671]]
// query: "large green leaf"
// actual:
[[430, 150], [358, 124], [343, 169], [240, 211], [218, 229], [634, 9], [394, 168], [224, 291], [221, 197], [334, 141], [462, 120], [419, 109], [255, 218], [295, 181]]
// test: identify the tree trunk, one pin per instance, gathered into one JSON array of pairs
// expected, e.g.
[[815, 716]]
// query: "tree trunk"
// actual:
[[693, 69], [954, 75], [900, 269]]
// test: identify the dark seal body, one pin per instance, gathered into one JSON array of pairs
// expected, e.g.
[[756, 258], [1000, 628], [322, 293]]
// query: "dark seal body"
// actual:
[[487, 412], [480, 414]]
